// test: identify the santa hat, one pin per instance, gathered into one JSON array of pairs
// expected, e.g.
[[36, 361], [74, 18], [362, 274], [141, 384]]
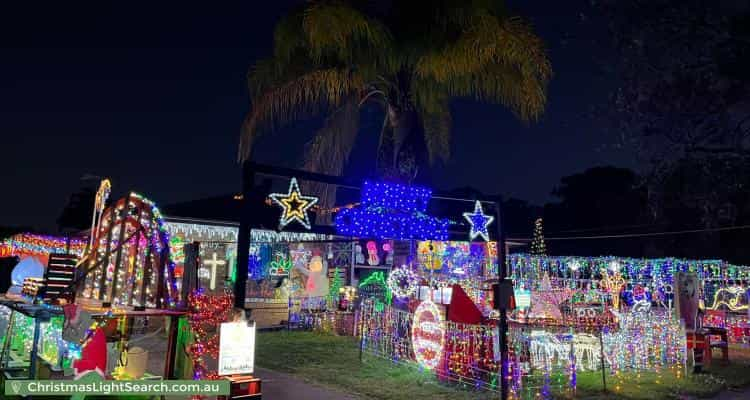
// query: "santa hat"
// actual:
[[93, 356]]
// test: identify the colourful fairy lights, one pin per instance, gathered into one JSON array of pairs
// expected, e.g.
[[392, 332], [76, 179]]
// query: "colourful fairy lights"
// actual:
[[34, 244], [130, 257]]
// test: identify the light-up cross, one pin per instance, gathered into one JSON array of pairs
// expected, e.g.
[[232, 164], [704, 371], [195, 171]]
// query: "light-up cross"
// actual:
[[213, 263]]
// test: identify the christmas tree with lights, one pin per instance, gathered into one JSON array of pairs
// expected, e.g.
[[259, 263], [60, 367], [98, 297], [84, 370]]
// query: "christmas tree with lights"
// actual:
[[537, 243], [335, 287]]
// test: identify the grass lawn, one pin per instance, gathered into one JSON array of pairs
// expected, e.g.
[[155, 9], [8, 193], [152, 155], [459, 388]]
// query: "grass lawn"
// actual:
[[334, 361]]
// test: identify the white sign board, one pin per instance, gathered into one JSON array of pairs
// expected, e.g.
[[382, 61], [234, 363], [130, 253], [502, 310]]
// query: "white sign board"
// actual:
[[236, 348]]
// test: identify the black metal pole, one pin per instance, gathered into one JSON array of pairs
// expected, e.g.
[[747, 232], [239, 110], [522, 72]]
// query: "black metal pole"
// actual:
[[34, 345], [503, 323], [243, 237]]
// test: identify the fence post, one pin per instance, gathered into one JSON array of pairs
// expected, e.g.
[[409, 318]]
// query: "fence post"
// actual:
[[361, 329], [601, 358]]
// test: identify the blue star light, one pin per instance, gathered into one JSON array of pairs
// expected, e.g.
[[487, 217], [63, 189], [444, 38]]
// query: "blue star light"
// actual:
[[479, 222]]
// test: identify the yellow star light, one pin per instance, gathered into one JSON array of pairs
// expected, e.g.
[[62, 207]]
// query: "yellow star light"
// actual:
[[294, 205]]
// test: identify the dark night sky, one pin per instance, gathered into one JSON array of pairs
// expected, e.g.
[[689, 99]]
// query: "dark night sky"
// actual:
[[152, 95]]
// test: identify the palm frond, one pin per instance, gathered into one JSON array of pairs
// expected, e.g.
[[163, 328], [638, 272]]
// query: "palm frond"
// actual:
[[288, 36], [525, 96], [490, 41], [338, 29], [329, 151], [306, 95], [437, 132]]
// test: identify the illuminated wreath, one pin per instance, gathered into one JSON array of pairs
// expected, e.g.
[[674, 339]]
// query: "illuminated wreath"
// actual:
[[402, 282]]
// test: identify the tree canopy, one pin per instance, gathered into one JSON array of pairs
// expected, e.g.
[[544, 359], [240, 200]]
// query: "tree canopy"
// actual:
[[409, 58]]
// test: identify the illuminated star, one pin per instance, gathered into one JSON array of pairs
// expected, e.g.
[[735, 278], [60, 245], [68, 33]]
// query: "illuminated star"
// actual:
[[295, 205], [479, 222]]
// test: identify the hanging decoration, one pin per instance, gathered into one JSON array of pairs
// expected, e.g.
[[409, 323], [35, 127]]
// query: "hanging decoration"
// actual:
[[428, 335], [391, 211], [295, 205], [402, 282], [479, 222]]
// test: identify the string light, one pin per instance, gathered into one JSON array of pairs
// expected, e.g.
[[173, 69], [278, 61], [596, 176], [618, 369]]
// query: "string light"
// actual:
[[733, 298], [142, 257], [402, 282], [34, 244], [391, 211], [206, 313], [295, 205]]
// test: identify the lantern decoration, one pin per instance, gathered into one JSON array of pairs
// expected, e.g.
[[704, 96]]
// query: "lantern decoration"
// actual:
[[402, 282], [427, 335]]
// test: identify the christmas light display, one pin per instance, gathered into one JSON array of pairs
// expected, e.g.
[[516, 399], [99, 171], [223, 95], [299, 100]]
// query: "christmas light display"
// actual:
[[32, 244], [733, 298], [391, 211], [402, 282], [538, 247], [646, 342], [375, 287], [267, 236], [530, 267], [201, 232], [479, 222], [206, 313], [295, 205], [130, 262]]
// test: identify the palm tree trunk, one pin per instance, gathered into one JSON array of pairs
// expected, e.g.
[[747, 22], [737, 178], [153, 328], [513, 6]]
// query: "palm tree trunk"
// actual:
[[401, 151]]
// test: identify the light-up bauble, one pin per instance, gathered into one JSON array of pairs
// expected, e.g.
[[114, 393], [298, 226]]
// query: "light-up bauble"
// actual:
[[294, 204], [479, 222], [427, 334], [402, 281]]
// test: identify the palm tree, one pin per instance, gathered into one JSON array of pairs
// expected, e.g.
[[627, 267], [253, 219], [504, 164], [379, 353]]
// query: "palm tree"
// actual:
[[410, 58]]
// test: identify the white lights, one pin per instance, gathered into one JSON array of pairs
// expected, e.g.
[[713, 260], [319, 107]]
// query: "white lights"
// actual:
[[295, 205], [402, 281], [479, 222]]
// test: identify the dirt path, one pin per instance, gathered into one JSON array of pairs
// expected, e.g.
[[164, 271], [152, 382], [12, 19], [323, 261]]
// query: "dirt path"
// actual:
[[281, 386]]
